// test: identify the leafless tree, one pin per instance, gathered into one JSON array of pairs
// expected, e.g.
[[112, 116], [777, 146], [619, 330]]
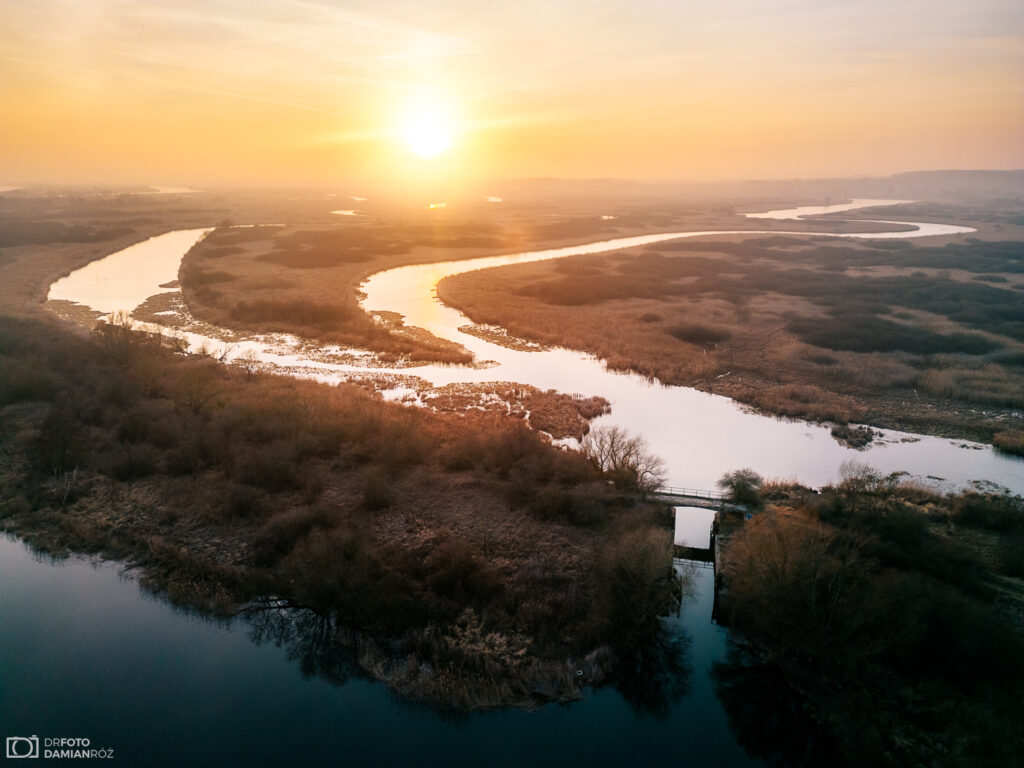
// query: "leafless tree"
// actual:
[[119, 339], [861, 482], [625, 459], [198, 386], [248, 362], [225, 353], [176, 341]]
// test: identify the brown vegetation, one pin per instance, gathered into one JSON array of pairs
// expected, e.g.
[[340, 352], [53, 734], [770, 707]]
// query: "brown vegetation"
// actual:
[[873, 630], [393, 522], [240, 292], [625, 459], [305, 281], [1010, 441], [793, 326]]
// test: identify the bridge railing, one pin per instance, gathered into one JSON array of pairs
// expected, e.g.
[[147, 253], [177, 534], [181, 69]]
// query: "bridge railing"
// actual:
[[695, 493]]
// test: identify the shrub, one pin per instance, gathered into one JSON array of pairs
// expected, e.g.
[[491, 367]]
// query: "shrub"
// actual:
[[819, 358], [339, 572], [699, 334], [456, 572], [272, 467], [378, 492], [301, 312], [278, 535], [1010, 441], [1011, 555], [634, 583], [743, 487], [995, 513], [198, 278], [243, 501], [802, 589], [152, 422], [25, 379], [857, 332], [59, 446], [136, 461], [586, 506]]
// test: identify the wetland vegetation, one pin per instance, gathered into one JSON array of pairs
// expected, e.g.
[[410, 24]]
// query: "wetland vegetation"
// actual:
[[470, 543], [884, 332]]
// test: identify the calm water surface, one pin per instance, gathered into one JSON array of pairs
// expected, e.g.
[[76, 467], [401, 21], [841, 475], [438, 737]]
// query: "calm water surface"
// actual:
[[84, 654]]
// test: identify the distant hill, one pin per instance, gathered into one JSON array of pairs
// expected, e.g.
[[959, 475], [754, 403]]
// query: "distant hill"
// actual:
[[981, 184], [952, 186]]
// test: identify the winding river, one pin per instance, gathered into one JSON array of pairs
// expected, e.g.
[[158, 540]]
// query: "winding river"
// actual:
[[700, 436]]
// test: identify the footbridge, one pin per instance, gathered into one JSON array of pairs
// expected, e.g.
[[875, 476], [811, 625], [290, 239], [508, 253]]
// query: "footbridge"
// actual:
[[676, 495]]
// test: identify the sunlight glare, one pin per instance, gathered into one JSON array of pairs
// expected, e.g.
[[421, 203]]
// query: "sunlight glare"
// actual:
[[426, 128]]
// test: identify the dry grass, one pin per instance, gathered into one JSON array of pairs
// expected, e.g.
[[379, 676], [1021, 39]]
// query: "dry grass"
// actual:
[[1010, 441], [224, 487], [673, 320]]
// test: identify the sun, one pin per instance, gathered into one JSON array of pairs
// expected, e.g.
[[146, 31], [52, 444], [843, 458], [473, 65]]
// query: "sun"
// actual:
[[426, 127]]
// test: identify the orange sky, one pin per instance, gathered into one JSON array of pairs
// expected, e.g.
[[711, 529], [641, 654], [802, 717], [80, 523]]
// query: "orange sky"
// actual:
[[297, 91]]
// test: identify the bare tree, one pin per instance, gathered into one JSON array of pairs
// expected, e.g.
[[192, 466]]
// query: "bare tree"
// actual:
[[859, 481], [248, 362], [119, 339], [625, 459], [198, 386], [177, 342], [743, 486], [225, 354]]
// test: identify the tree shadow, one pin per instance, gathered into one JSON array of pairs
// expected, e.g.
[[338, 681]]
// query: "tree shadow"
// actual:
[[653, 671], [308, 637], [771, 718]]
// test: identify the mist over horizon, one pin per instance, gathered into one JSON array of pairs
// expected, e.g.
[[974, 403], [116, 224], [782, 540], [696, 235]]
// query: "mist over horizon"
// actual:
[[314, 92]]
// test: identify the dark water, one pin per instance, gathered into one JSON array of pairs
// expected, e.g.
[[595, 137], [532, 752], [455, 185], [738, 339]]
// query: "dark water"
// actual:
[[85, 654]]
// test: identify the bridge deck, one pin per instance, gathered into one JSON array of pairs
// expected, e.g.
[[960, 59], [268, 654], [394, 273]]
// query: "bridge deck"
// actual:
[[688, 493]]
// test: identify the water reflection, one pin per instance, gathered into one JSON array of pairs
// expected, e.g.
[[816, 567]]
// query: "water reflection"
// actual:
[[84, 653], [655, 674], [652, 669], [769, 714], [307, 637]]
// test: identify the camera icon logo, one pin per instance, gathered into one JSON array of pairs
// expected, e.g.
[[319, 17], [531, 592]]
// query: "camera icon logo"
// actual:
[[22, 746]]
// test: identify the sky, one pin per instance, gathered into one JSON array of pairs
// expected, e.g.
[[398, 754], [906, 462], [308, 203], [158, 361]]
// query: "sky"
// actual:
[[320, 91]]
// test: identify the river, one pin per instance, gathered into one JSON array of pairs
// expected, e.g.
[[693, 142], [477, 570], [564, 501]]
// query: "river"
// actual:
[[699, 435], [85, 654]]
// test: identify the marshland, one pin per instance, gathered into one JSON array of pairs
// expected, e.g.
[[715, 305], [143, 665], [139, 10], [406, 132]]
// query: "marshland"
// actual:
[[457, 550]]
